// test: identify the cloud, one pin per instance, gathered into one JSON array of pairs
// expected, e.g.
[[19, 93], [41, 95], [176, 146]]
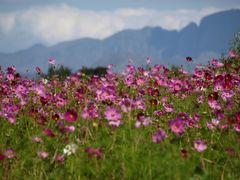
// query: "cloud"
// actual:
[[53, 24], [7, 22]]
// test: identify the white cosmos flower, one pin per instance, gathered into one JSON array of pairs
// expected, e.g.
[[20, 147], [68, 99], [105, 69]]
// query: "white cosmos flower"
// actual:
[[70, 149], [45, 81]]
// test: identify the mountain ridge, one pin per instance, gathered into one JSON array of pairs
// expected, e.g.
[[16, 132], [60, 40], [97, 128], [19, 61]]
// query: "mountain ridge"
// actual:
[[211, 36]]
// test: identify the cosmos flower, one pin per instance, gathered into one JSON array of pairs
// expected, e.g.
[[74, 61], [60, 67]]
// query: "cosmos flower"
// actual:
[[217, 63], [42, 154], [148, 61], [183, 116], [10, 77], [38, 70], [71, 115], [112, 114], [237, 115], [214, 105], [200, 145], [184, 153], [237, 127], [94, 152], [48, 132], [142, 120], [177, 126], [51, 60], [213, 96], [70, 149], [37, 139], [189, 59], [11, 118], [2, 157], [9, 153], [70, 128], [232, 54], [168, 108], [227, 95], [159, 136], [59, 158]]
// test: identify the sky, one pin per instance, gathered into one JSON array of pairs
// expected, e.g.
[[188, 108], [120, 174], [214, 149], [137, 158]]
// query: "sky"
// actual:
[[24, 23]]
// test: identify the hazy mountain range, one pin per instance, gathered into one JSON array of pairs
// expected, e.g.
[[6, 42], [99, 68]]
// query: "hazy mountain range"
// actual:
[[208, 40]]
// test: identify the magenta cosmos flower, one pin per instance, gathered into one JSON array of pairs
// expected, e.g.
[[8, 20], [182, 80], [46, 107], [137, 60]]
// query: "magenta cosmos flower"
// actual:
[[71, 115], [38, 70], [94, 152], [177, 126], [200, 145], [48, 132], [2, 156]]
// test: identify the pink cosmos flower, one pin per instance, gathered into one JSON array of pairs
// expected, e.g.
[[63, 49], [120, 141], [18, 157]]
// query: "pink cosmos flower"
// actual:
[[210, 125], [159, 136], [71, 115], [168, 108], [11, 118], [9, 153], [110, 66], [232, 54], [183, 71], [112, 114], [217, 63], [70, 128], [11, 69], [37, 139], [224, 126], [51, 60], [115, 123], [148, 61], [200, 145], [10, 77], [137, 124], [227, 95], [146, 121], [42, 154], [214, 105], [142, 120], [60, 158], [237, 127]]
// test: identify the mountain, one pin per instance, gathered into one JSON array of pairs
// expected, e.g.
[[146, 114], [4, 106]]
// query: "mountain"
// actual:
[[208, 40]]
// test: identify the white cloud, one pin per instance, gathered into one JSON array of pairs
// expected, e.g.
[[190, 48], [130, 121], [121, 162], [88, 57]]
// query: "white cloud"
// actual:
[[53, 24], [7, 22]]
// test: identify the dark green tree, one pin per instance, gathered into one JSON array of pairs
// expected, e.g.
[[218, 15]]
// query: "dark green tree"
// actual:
[[60, 72], [94, 71]]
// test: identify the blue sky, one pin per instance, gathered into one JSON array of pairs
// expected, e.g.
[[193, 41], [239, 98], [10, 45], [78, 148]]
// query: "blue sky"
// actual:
[[27, 22], [9, 5]]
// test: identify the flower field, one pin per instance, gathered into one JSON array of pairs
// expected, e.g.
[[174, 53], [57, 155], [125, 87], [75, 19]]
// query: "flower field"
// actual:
[[145, 123]]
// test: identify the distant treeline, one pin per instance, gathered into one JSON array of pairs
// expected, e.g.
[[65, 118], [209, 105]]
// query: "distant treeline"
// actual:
[[62, 71]]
